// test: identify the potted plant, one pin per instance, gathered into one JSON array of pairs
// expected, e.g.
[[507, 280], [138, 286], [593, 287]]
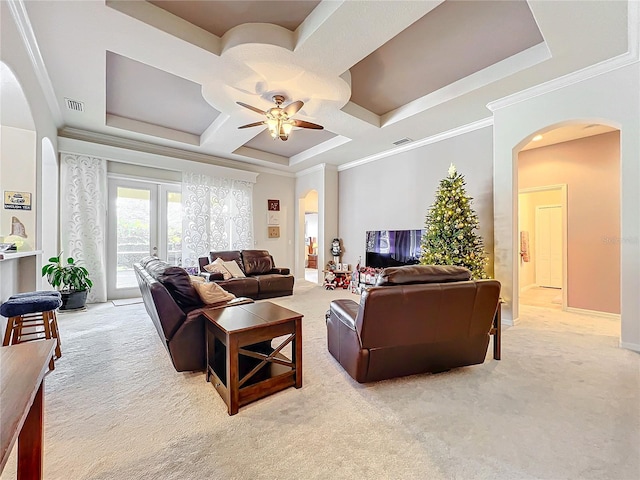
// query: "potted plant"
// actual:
[[70, 279]]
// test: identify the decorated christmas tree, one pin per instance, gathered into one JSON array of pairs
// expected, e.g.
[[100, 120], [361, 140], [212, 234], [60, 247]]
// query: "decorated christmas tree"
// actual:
[[450, 236]]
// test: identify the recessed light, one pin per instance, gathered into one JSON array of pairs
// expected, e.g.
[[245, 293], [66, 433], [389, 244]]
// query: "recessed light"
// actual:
[[537, 138]]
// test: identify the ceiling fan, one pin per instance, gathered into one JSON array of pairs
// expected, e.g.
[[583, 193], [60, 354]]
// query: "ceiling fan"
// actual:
[[279, 119]]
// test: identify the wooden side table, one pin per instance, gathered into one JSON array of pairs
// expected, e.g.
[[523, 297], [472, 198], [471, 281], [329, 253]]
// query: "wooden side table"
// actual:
[[242, 373]]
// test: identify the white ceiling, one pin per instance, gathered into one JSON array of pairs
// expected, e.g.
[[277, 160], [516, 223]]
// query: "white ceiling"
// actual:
[[165, 59]]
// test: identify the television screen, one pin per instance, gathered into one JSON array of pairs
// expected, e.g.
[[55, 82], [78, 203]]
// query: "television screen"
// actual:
[[392, 248]]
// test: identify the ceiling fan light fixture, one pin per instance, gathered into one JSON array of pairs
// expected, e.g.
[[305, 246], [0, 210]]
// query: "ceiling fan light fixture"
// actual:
[[272, 125], [287, 127], [279, 122]]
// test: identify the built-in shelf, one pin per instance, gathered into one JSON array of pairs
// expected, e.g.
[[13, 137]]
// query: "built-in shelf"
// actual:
[[12, 255]]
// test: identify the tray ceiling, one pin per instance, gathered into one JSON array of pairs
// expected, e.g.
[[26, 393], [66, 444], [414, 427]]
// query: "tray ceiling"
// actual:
[[219, 17], [169, 73]]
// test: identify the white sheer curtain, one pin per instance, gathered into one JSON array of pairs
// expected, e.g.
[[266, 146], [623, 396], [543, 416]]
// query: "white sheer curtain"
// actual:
[[217, 214], [83, 219]]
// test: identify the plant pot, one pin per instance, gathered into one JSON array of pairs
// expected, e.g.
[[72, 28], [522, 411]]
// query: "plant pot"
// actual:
[[73, 300]]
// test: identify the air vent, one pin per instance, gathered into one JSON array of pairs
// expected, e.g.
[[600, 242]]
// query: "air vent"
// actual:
[[402, 141], [74, 105]]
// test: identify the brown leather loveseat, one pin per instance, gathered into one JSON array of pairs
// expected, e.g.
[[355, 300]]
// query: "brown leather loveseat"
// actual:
[[420, 318], [262, 278]]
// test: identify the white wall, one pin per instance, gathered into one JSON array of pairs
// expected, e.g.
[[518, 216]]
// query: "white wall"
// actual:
[[396, 192], [277, 187], [18, 174], [612, 98]]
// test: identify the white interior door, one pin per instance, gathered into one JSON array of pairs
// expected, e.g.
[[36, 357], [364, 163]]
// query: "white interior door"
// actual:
[[549, 246], [144, 219]]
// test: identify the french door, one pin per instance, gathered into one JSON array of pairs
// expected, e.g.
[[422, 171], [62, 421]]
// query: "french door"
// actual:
[[145, 218]]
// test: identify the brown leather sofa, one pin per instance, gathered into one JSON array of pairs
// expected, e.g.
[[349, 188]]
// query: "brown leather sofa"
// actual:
[[263, 279], [176, 311], [419, 318]]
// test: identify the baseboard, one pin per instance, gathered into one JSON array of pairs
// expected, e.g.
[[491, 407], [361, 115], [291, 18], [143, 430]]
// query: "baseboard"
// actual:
[[630, 346], [506, 321], [594, 313]]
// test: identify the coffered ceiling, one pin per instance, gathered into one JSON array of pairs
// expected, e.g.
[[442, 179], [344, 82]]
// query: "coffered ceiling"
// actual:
[[169, 73]]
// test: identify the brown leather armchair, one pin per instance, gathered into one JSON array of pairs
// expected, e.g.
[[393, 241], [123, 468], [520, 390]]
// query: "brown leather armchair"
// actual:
[[408, 324]]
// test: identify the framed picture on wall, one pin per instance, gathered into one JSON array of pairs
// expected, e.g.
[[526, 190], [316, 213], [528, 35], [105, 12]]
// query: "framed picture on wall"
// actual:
[[273, 218], [273, 232], [273, 205]]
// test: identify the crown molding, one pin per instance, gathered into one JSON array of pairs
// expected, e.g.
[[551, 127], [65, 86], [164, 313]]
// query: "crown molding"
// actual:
[[21, 18], [502, 69], [318, 149], [320, 167], [151, 149], [628, 58], [454, 132]]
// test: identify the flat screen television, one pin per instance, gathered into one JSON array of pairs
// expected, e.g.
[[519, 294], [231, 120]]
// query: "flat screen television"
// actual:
[[392, 248]]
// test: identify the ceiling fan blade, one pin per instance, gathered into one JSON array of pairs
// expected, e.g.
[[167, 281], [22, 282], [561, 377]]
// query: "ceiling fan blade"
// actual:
[[303, 124], [252, 125], [293, 108], [255, 109]]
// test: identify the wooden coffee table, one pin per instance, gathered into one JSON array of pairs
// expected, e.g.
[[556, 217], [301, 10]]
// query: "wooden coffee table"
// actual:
[[240, 359]]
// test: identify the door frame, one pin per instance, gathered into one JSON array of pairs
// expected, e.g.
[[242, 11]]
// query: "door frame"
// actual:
[[563, 203], [158, 224]]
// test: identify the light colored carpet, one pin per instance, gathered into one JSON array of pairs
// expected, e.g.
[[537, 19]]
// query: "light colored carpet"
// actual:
[[562, 404]]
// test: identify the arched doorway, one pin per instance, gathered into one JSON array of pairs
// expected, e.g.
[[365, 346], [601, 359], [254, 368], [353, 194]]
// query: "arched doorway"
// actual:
[[311, 234], [568, 219], [18, 174], [18, 170]]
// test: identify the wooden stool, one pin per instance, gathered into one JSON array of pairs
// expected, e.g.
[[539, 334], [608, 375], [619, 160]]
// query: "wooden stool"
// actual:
[[30, 311]]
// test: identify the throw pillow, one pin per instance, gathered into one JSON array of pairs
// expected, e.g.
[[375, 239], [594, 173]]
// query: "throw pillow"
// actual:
[[217, 268], [212, 293], [178, 283], [234, 269], [196, 279]]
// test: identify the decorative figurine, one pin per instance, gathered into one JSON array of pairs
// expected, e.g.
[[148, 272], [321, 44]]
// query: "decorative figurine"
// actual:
[[336, 250], [330, 281]]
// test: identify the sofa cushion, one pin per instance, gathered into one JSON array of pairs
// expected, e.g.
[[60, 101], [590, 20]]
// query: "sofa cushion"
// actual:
[[177, 282], [148, 259], [274, 283], [211, 293], [217, 266], [234, 269], [256, 262], [241, 287], [410, 274], [227, 255], [156, 267]]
